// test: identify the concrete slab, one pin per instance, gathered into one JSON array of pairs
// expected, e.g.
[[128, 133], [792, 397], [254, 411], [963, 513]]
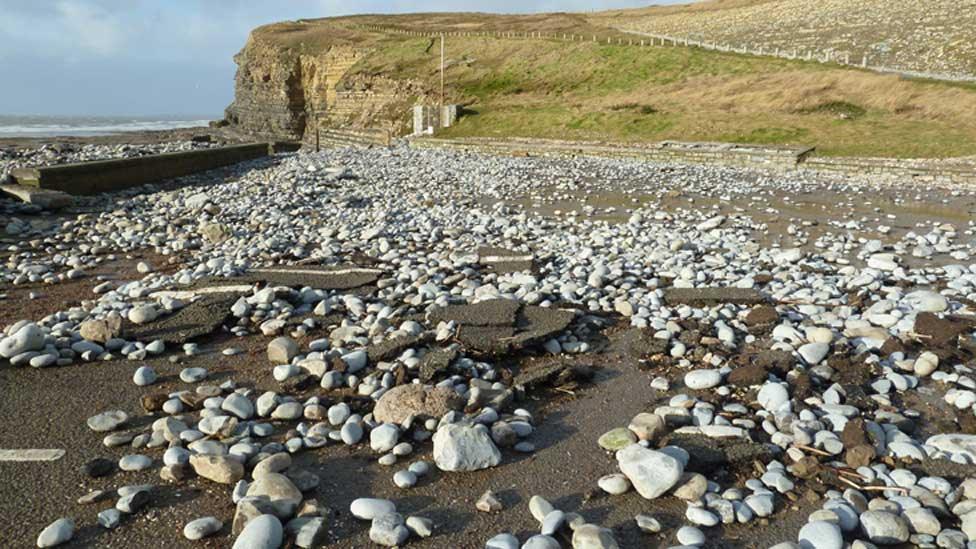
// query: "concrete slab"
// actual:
[[493, 312], [503, 260], [31, 455], [391, 348], [436, 362], [709, 297], [121, 173], [320, 278], [197, 319], [236, 289], [45, 198], [501, 326]]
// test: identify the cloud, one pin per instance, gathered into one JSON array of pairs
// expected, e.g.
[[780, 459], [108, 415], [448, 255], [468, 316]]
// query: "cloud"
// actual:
[[93, 29], [175, 56]]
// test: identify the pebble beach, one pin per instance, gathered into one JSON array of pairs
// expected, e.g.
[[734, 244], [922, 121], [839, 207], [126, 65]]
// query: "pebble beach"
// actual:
[[423, 348]]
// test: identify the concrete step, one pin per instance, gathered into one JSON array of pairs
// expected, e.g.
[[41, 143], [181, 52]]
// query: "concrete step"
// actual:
[[45, 198]]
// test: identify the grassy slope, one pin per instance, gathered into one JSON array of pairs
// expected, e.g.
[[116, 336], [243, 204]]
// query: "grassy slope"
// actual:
[[586, 91]]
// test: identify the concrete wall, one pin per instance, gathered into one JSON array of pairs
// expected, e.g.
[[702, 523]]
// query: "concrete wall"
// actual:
[[112, 175], [667, 151], [931, 172]]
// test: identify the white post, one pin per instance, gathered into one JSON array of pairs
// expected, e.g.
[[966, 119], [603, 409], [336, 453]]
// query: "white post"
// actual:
[[442, 73]]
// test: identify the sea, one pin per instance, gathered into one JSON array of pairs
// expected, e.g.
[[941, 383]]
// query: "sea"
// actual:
[[86, 126]]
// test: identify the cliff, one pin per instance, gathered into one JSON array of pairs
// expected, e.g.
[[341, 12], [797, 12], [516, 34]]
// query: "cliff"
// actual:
[[285, 89]]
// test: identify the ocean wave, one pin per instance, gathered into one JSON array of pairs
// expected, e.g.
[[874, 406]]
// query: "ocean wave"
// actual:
[[92, 128]]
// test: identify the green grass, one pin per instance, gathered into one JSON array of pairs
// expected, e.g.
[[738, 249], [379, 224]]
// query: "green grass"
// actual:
[[586, 91]]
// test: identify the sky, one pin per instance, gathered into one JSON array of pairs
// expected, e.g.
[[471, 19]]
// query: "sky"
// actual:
[[173, 57]]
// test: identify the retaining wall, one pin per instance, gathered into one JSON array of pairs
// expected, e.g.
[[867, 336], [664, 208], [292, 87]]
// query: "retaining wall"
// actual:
[[111, 175], [332, 137], [950, 172], [923, 171], [781, 158]]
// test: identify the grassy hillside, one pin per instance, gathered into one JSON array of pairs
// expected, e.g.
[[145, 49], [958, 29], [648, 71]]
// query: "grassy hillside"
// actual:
[[540, 88], [920, 35], [596, 91]]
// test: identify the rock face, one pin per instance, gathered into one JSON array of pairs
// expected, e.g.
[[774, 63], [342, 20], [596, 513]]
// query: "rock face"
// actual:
[[277, 85], [464, 447], [421, 401]]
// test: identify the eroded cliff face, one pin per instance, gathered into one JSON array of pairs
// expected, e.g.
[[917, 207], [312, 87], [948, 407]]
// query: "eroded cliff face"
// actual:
[[285, 94]]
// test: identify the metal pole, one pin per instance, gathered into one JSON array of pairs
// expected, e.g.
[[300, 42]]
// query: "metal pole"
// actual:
[[318, 132], [441, 113]]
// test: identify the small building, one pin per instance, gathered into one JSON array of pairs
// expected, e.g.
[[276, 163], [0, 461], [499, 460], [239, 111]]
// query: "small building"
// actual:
[[429, 118]]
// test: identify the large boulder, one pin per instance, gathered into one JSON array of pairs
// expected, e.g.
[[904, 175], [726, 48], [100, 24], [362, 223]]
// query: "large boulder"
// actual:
[[465, 447], [421, 401], [652, 473]]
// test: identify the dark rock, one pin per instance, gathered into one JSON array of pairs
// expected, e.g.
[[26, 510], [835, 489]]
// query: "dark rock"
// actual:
[[940, 332], [762, 315], [298, 383], [745, 376], [99, 467], [154, 402], [892, 345], [859, 456]]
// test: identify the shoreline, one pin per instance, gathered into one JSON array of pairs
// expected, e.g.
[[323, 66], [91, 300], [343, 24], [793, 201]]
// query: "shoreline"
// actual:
[[139, 137]]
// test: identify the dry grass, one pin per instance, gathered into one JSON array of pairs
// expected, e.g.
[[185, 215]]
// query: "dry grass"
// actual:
[[800, 90]]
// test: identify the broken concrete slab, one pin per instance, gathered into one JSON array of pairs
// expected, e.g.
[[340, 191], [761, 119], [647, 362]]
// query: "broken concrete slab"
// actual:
[[553, 374], [197, 319], [320, 278], [638, 342], [436, 362], [45, 198], [708, 453], [502, 260], [206, 289], [390, 348], [493, 312], [709, 297], [500, 326]]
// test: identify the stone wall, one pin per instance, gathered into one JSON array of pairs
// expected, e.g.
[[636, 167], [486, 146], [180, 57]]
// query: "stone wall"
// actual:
[[930, 172], [772, 157]]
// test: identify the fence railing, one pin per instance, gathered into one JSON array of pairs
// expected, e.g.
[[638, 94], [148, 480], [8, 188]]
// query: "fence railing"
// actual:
[[645, 39]]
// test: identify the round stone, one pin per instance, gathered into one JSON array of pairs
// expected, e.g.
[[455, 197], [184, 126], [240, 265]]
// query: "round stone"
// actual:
[[201, 528], [820, 535]]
